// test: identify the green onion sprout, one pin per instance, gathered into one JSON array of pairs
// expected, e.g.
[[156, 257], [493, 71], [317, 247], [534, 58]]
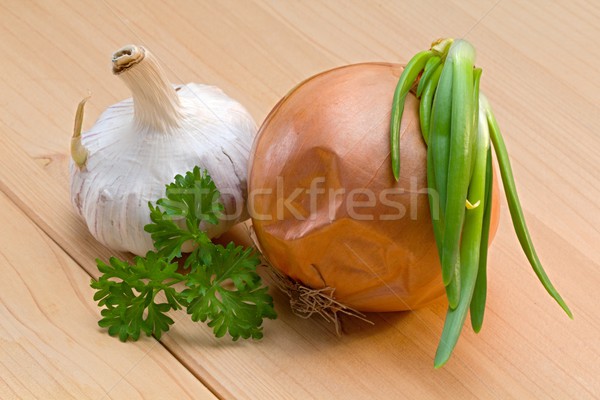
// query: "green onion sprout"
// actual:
[[459, 128]]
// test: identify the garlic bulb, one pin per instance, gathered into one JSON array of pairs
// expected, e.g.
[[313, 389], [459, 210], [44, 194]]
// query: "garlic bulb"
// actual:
[[138, 145]]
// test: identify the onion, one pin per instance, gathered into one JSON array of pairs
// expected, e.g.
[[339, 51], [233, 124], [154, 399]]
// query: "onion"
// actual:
[[326, 209]]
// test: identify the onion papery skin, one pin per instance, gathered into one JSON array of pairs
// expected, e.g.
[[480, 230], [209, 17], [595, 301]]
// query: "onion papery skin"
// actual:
[[335, 126]]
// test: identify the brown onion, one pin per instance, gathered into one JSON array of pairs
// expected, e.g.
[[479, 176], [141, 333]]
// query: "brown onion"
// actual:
[[331, 133]]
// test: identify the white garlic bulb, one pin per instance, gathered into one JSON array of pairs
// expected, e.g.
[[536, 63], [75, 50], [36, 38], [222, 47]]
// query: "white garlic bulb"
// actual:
[[138, 145]]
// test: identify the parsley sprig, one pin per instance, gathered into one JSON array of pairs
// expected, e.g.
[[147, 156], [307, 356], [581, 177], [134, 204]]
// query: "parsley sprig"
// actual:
[[222, 287]]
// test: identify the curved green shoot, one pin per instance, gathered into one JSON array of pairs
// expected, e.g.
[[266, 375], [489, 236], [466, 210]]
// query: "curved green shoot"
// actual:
[[462, 55], [516, 211], [426, 103], [469, 252], [407, 78], [429, 69]]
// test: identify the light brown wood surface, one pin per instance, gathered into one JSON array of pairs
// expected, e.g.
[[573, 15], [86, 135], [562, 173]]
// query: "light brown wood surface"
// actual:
[[540, 61], [50, 347]]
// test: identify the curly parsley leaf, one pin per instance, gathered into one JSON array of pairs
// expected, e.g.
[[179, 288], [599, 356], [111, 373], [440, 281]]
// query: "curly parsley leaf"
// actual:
[[223, 287], [128, 293], [228, 293], [190, 200]]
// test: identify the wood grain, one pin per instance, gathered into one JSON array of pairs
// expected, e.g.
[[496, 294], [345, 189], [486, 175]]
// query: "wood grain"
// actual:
[[50, 345], [539, 60]]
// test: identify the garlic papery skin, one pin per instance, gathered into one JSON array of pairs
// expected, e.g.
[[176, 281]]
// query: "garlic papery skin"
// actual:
[[138, 145]]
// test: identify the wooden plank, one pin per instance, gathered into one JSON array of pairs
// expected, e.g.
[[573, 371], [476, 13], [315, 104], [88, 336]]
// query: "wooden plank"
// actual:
[[50, 345], [537, 59]]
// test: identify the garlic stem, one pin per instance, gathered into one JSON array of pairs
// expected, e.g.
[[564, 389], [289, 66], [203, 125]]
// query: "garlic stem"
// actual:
[[156, 103], [79, 153]]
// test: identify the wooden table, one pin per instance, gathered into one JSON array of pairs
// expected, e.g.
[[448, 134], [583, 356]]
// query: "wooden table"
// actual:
[[540, 61]]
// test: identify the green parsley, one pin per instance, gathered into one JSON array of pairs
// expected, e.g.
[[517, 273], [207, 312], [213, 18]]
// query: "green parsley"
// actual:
[[222, 287]]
